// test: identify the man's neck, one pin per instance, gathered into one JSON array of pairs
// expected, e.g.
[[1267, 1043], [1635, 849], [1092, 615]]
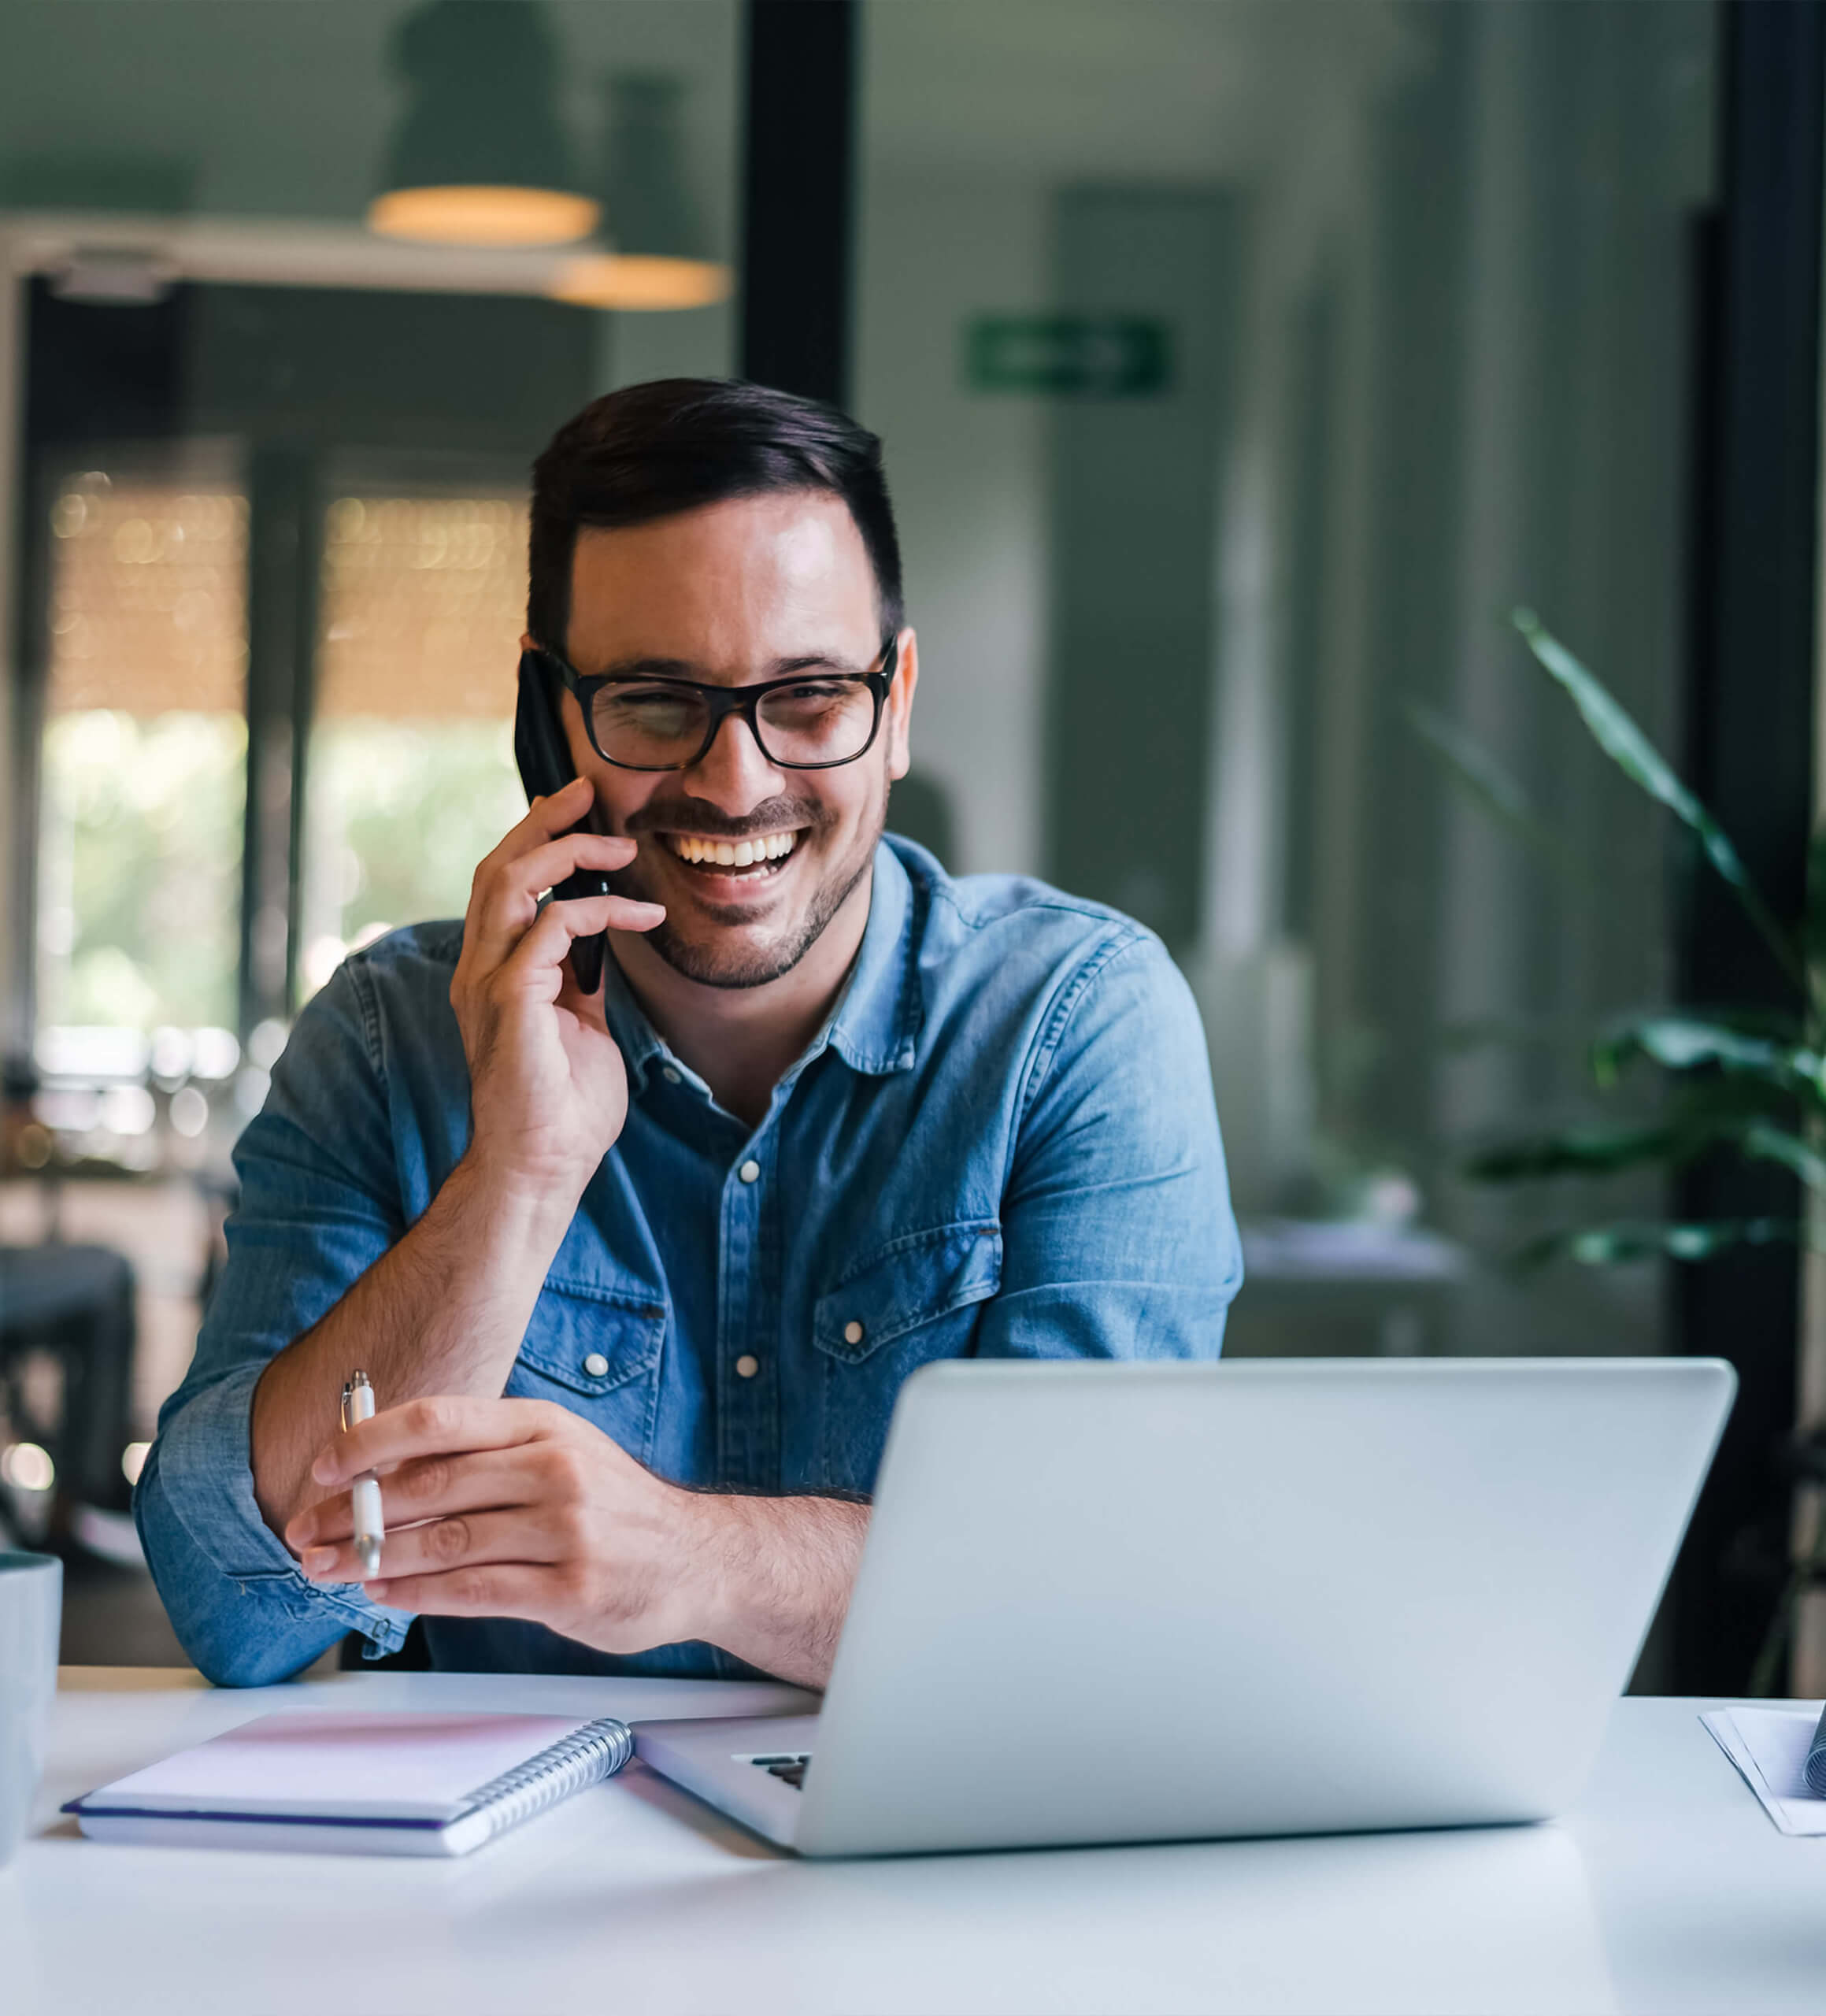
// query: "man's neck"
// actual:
[[742, 1040]]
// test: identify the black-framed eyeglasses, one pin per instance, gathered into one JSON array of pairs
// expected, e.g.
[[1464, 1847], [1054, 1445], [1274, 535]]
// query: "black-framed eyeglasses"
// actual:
[[807, 720]]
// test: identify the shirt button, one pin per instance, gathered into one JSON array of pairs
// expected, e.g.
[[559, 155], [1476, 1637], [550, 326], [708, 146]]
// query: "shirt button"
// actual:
[[749, 1172], [595, 1365], [670, 1076], [852, 1333], [747, 1365]]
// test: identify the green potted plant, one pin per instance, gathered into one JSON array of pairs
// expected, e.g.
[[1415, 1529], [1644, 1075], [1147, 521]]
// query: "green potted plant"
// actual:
[[1746, 1083]]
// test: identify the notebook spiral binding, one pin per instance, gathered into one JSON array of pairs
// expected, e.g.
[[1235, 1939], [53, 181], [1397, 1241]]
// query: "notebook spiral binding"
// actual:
[[597, 1751]]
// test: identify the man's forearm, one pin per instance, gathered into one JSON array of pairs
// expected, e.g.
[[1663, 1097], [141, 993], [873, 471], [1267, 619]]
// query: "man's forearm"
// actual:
[[783, 1571], [443, 1311]]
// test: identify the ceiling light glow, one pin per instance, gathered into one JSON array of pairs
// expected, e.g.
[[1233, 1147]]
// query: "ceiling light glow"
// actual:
[[640, 281], [483, 214]]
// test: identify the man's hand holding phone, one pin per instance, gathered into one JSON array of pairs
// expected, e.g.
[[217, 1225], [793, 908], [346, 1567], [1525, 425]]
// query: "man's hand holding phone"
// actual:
[[444, 1310], [548, 1089]]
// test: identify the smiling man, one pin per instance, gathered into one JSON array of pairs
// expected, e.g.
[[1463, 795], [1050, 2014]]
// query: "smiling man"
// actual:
[[637, 1275]]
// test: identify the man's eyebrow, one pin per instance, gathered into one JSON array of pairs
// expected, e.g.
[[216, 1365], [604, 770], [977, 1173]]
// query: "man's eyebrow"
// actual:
[[780, 668], [650, 668]]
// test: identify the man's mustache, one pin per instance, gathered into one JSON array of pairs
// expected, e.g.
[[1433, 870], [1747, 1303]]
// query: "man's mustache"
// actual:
[[693, 815]]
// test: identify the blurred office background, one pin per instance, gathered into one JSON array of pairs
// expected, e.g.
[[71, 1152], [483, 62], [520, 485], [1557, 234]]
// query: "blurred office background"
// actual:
[[1241, 364]]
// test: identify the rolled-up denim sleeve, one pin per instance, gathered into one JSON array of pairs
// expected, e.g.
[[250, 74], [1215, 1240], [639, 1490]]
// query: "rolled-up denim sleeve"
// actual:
[[319, 1206], [1118, 1238]]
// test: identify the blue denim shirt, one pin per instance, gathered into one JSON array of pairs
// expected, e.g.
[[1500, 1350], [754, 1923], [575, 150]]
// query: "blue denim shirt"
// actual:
[[1002, 1143]]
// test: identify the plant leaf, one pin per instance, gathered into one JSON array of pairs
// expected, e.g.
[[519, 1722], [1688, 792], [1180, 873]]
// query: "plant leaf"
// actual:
[[1688, 1043], [1617, 735], [1575, 1152], [1761, 1142], [1484, 781], [1734, 1112], [1605, 1246]]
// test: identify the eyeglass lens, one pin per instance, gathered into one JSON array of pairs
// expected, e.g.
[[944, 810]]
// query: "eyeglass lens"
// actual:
[[818, 720]]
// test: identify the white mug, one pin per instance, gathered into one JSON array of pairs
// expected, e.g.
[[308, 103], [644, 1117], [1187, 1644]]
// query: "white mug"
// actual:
[[31, 1611]]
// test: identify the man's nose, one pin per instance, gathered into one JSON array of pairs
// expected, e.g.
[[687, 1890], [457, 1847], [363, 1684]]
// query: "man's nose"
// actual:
[[733, 773]]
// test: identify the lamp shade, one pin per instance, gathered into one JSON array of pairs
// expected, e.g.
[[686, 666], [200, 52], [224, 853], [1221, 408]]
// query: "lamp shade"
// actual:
[[662, 256], [480, 156]]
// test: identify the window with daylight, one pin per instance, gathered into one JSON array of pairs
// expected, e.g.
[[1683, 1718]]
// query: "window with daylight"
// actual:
[[144, 758], [410, 768]]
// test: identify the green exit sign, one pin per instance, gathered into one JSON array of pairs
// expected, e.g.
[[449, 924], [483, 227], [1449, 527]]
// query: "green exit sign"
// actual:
[[1073, 356]]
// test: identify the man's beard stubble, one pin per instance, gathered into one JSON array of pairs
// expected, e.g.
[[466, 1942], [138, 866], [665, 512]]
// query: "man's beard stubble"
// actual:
[[712, 965]]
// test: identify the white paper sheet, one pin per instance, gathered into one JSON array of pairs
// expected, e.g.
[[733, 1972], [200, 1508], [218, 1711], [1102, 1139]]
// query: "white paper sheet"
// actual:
[[1769, 1747], [399, 1766]]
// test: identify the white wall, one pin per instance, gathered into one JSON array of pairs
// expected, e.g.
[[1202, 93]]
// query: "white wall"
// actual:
[[968, 474]]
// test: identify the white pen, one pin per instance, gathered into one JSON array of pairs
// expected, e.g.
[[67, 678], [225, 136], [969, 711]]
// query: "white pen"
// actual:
[[365, 1493]]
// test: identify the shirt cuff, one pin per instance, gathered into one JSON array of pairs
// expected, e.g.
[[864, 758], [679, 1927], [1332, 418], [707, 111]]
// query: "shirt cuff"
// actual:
[[207, 1478]]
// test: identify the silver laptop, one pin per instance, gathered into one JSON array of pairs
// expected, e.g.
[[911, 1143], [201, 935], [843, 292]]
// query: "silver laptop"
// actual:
[[1125, 1602]]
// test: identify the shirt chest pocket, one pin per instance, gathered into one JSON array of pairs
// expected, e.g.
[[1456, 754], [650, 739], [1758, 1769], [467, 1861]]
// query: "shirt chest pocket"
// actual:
[[917, 1299], [595, 1350]]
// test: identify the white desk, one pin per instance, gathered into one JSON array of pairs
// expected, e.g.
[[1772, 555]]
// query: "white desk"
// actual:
[[1667, 1890]]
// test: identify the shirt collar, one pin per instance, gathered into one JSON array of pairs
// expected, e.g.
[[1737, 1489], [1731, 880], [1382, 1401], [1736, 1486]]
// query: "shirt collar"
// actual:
[[635, 1037], [874, 1027], [875, 1024]]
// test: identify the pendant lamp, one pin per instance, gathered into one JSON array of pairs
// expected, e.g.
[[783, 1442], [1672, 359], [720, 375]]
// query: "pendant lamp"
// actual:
[[480, 156], [661, 258]]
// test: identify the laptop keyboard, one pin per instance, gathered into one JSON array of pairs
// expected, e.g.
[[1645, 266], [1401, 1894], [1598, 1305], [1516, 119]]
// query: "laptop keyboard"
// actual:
[[790, 1769]]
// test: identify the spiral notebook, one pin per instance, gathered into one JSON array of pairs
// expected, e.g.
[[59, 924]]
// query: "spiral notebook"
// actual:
[[391, 1784], [1774, 1751]]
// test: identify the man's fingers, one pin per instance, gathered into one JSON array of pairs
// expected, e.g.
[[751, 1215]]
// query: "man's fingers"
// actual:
[[551, 813], [438, 1546], [546, 819], [506, 892], [441, 1424], [546, 866], [507, 1589], [543, 948], [427, 1488]]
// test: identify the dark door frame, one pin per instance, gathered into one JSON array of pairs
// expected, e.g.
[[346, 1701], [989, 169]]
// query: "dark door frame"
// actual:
[[798, 195], [1751, 701]]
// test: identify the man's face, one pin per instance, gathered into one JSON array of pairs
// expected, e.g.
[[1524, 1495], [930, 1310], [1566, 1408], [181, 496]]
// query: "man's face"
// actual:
[[730, 594]]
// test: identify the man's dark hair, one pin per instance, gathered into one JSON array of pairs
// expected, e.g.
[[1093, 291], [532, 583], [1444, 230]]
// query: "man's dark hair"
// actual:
[[677, 443]]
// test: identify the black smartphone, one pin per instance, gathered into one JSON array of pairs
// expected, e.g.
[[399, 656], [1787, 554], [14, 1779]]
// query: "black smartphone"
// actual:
[[544, 757]]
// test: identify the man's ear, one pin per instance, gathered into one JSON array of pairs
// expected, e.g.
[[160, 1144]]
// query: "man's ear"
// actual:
[[899, 707]]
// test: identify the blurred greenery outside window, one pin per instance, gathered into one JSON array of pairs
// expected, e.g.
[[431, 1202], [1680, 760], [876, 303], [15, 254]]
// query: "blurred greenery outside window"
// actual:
[[410, 775], [409, 769], [144, 764]]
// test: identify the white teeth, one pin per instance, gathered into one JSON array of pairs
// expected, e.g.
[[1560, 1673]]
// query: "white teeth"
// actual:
[[740, 853]]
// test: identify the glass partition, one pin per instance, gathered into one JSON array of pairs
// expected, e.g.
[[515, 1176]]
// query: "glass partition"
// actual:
[[1241, 367]]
